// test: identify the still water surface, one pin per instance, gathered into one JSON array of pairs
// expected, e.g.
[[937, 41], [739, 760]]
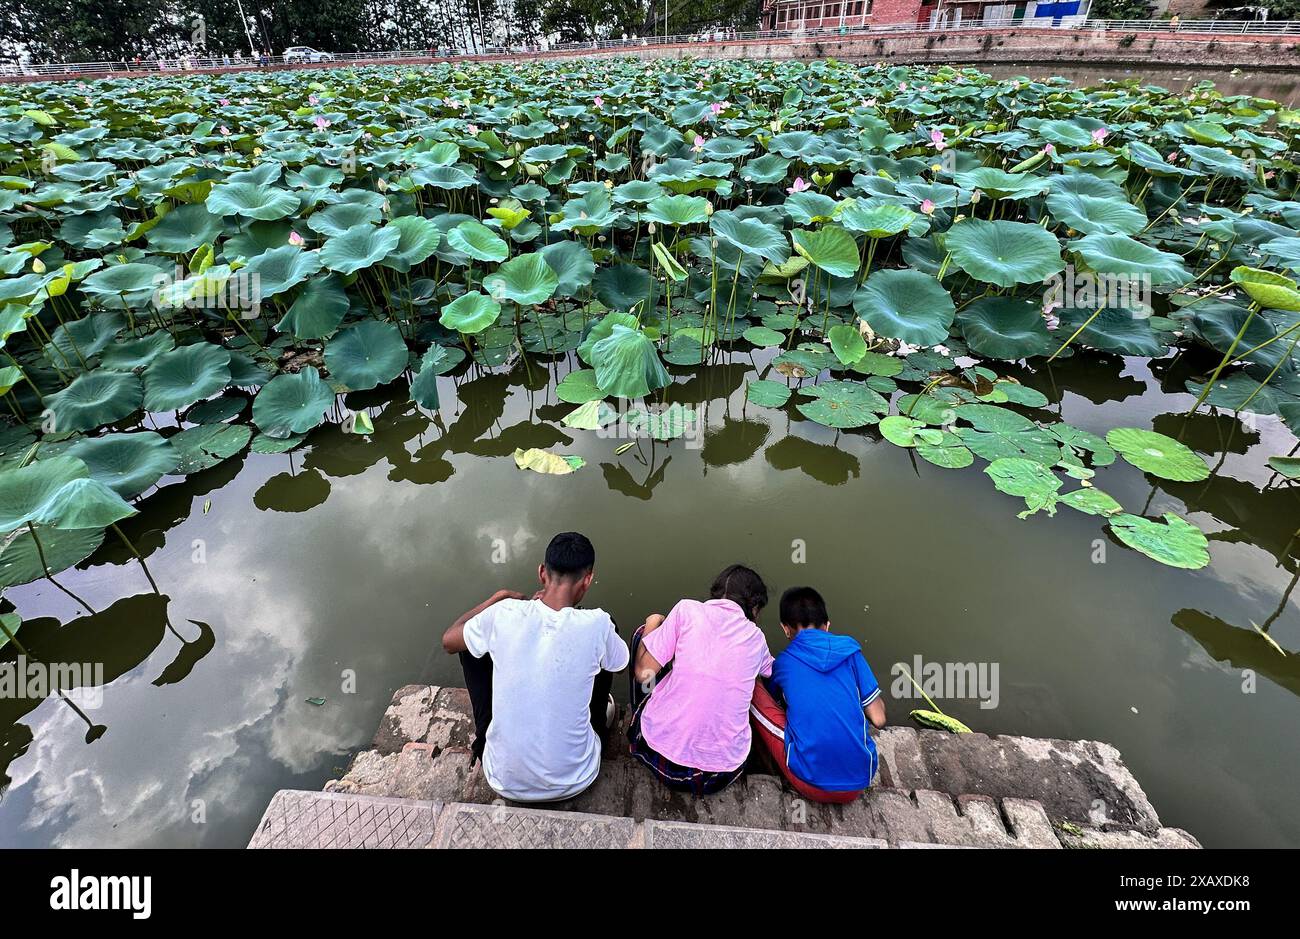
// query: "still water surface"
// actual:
[[281, 575]]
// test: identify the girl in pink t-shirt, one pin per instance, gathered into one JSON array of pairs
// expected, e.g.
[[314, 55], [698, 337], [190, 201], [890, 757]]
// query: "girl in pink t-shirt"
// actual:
[[692, 680]]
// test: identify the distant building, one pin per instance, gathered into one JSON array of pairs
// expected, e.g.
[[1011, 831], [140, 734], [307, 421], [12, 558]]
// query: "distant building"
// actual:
[[832, 14]]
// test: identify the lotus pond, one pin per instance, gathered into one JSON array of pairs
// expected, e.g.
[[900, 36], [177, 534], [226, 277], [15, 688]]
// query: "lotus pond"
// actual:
[[299, 365]]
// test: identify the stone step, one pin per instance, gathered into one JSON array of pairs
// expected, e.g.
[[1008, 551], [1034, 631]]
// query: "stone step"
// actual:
[[297, 819]]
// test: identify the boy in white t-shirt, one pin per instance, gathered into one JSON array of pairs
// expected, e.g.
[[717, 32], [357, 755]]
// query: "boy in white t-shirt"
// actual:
[[538, 673]]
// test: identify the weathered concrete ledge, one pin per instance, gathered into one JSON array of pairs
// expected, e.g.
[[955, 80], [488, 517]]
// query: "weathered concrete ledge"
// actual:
[[415, 787]]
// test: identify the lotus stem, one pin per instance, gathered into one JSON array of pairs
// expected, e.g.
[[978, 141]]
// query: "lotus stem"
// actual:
[[40, 553], [1236, 340], [1075, 335]]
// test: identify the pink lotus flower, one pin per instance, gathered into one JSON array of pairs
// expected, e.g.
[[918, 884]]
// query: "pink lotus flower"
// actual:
[[799, 185], [223, 102], [225, 131], [699, 143], [1099, 135], [937, 138], [598, 101], [927, 207], [1049, 149], [716, 107], [296, 239], [321, 123], [473, 130], [902, 86], [451, 103], [313, 100]]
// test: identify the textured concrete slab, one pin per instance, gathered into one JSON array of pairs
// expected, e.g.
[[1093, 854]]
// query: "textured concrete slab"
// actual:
[[297, 819], [502, 826], [1164, 838], [686, 835]]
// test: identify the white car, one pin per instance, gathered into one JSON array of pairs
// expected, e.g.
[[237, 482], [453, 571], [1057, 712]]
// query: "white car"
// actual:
[[306, 54]]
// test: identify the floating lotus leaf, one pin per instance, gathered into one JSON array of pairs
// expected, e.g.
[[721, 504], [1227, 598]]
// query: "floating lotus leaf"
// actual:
[[1028, 479], [201, 448], [997, 432], [359, 248], [176, 379], [907, 305], [547, 463], [1092, 501], [768, 394], [1174, 542], [1005, 328], [1157, 454], [525, 279], [128, 463], [364, 356], [762, 336], [95, 399], [470, 313], [1004, 253], [292, 404], [579, 387], [842, 404]]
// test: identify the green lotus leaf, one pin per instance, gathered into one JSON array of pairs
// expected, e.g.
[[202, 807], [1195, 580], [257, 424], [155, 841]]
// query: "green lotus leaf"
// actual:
[[364, 356], [1124, 257], [767, 394], [1004, 253], [444, 177], [1092, 501], [250, 200], [1267, 288], [627, 364], [292, 404], [479, 242], [847, 343], [762, 336], [185, 228], [318, 309], [910, 432], [336, 219], [579, 387], [677, 210], [176, 379], [830, 248], [133, 282], [751, 236], [280, 269], [998, 432], [470, 313], [359, 247], [546, 462], [842, 404], [83, 503], [131, 354], [1005, 328], [418, 238], [573, 265], [201, 448], [22, 561], [1175, 542], [1028, 479], [1157, 454], [1112, 330], [1000, 184], [525, 279], [623, 287], [127, 463], [1099, 215], [25, 490], [216, 410], [78, 341], [95, 399], [877, 219], [906, 305]]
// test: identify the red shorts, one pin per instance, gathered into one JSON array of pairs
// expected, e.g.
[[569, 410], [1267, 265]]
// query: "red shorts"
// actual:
[[768, 721]]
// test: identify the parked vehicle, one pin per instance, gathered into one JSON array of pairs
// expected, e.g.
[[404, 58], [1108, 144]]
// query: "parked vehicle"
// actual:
[[306, 54]]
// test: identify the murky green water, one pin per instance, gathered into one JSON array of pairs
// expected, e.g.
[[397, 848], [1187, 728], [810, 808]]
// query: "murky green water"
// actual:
[[350, 557]]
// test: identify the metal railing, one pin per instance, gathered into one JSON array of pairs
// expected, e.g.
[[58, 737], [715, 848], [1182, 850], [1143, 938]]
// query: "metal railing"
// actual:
[[189, 63]]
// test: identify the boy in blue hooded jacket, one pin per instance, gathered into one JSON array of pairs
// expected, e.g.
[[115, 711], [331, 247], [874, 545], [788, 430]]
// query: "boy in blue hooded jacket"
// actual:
[[820, 739]]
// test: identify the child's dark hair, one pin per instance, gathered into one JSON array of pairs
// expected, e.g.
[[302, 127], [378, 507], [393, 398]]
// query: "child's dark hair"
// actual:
[[570, 554], [742, 586], [802, 607]]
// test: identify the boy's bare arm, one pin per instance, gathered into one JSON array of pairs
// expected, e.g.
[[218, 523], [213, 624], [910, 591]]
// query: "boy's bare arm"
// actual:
[[876, 712], [453, 640]]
